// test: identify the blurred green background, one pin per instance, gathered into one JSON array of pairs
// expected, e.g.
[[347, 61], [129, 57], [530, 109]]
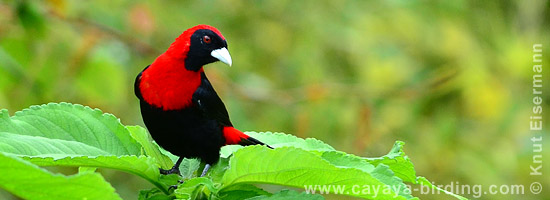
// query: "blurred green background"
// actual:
[[453, 79]]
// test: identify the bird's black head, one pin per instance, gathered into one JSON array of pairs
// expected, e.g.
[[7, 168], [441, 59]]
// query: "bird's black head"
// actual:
[[207, 45]]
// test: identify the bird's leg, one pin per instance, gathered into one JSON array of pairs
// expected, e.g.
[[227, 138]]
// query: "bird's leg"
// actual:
[[206, 168], [175, 169], [173, 187]]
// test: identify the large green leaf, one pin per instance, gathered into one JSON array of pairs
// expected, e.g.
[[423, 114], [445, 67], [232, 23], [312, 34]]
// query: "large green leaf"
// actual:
[[286, 140], [280, 140], [299, 168], [30, 182], [36, 146], [73, 135], [66, 129], [142, 166]]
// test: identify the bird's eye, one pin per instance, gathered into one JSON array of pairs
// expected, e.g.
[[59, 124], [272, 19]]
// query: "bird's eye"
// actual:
[[206, 39]]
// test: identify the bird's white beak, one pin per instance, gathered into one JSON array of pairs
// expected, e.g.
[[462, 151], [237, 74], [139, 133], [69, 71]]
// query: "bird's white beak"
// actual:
[[222, 55]]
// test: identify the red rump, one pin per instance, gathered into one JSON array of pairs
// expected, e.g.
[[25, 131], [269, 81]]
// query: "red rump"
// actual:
[[233, 136]]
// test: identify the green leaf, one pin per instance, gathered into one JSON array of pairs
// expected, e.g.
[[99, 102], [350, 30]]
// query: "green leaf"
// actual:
[[189, 167], [73, 135], [276, 140], [425, 182], [60, 130], [142, 166], [217, 171], [153, 194], [141, 135], [193, 188], [344, 160], [385, 175], [241, 191], [398, 162], [30, 182], [286, 140], [86, 169], [382, 172], [34, 146], [289, 194], [228, 150], [297, 168]]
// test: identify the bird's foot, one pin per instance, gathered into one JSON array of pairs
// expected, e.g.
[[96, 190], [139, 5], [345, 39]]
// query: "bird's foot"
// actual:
[[174, 170], [173, 187]]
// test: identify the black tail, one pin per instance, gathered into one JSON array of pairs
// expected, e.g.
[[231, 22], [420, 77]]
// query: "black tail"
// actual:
[[252, 141]]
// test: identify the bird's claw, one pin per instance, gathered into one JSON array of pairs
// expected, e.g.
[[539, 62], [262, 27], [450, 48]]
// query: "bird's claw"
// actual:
[[170, 171], [173, 187]]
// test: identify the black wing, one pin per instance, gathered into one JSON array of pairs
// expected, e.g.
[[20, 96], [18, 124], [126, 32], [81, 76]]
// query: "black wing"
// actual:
[[136, 84], [210, 103]]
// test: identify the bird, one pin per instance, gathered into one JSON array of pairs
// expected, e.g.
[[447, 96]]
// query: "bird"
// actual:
[[178, 104]]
